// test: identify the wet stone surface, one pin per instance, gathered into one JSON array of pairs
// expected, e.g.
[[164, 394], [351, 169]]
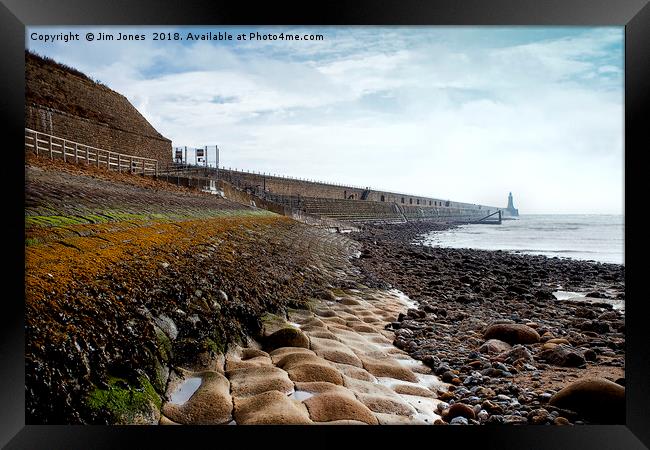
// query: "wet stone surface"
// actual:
[[300, 385]]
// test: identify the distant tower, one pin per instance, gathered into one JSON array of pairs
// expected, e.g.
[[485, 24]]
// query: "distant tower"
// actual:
[[512, 211]]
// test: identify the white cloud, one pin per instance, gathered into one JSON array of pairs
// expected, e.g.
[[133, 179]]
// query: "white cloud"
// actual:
[[406, 109]]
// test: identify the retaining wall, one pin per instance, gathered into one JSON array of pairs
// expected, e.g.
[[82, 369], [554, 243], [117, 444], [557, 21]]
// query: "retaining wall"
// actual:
[[64, 102]]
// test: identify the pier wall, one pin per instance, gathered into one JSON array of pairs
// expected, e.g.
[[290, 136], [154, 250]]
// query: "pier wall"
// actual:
[[415, 205]]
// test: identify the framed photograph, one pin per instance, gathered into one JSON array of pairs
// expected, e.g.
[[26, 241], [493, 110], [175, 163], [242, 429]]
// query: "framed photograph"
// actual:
[[409, 215]]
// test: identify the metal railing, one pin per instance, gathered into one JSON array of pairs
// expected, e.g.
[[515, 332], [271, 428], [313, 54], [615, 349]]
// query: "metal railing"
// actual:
[[47, 144]]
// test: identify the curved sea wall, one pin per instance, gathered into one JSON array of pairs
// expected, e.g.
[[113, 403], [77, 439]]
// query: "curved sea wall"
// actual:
[[149, 303], [293, 197], [128, 277]]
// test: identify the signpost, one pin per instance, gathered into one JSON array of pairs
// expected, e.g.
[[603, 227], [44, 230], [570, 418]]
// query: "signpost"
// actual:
[[200, 156], [217, 147]]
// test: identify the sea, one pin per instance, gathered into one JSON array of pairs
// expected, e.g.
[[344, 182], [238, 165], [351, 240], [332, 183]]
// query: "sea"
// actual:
[[591, 237]]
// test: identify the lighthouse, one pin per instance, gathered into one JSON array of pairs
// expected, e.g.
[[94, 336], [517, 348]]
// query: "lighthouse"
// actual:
[[511, 210]]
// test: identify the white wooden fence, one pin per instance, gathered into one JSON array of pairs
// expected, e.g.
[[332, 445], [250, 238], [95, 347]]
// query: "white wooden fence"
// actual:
[[54, 146]]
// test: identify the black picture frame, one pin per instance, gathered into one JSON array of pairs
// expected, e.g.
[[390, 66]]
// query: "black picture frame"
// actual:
[[15, 15]]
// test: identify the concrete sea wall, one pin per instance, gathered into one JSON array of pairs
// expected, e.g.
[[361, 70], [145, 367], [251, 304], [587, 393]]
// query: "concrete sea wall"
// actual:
[[352, 203], [296, 187]]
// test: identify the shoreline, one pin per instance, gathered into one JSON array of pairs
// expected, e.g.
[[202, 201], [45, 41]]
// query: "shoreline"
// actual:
[[462, 292], [465, 240]]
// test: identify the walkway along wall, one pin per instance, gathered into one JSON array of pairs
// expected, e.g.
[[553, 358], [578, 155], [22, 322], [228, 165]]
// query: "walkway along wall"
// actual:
[[413, 206], [321, 200]]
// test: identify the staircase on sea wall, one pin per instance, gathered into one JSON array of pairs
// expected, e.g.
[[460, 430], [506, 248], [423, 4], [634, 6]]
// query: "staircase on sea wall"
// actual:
[[352, 210], [365, 211]]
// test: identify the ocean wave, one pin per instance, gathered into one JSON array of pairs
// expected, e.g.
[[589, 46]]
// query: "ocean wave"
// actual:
[[575, 237], [554, 251], [552, 228]]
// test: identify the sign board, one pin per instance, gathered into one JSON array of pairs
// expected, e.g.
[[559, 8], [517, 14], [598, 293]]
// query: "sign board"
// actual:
[[200, 152], [179, 153]]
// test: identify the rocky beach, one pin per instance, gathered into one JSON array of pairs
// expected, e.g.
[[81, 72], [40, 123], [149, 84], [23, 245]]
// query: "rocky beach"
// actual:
[[488, 323], [150, 303]]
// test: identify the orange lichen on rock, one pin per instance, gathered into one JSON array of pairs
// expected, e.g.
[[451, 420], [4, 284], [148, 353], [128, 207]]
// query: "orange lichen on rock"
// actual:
[[54, 268]]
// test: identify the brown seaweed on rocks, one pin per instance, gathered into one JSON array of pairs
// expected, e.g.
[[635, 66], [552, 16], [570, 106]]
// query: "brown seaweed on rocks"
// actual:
[[113, 306]]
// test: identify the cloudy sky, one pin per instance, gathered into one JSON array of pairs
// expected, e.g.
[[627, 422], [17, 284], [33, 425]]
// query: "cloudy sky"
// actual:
[[460, 113]]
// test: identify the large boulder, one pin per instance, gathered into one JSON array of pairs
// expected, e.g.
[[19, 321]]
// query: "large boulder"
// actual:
[[512, 333], [494, 347], [331, 406], [460, 410], [388, 368], [516, 353], [270, 408], [211, 403], [597, 399], [562, 355], [286, 337], [256, 380], [386, 404], [312, 372]]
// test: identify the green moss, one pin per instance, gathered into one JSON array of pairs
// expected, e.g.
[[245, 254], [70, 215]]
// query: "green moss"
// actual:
[[53, 221], [32, 241], [164, 345], [117, 216], [96, 217], [273, 322], [273, 319], [123, 401], [312, 303], [90, 218], [160, 380], [268, 317], [215, 344]]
